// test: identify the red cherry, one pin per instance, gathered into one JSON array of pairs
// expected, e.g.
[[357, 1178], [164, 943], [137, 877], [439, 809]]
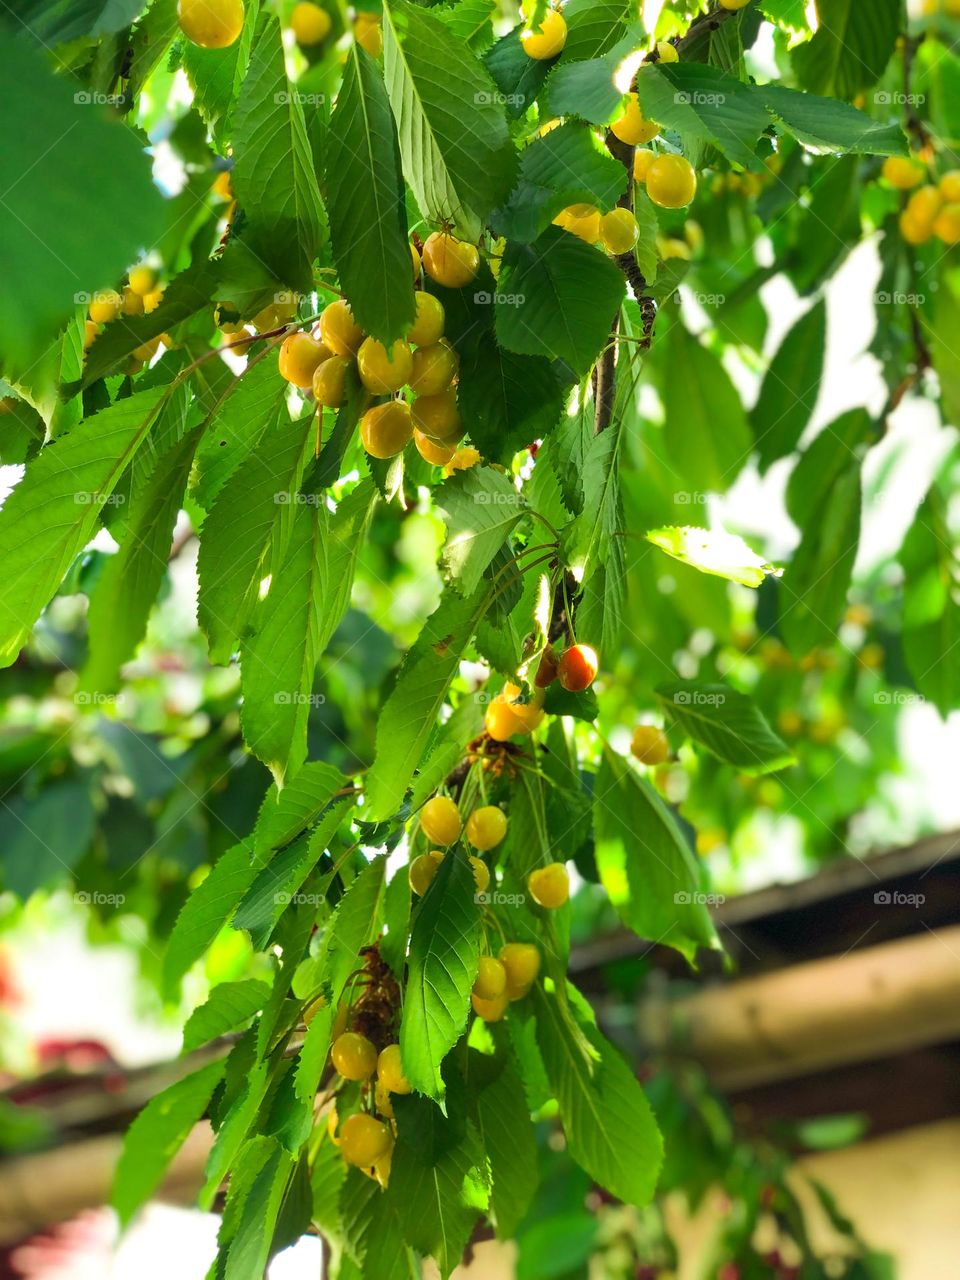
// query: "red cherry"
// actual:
[[577, 668]]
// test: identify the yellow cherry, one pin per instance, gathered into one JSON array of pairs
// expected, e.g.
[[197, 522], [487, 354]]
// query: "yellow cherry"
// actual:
[[300, 357], [368, 34], [382, 371], [581, 220], [431, 451], [486, 827], [619, 231], [354, 1056], [667, 52], [649, 744], [105, 306], [489, 1010], [671, 182], [903, 172], [423, 869], [522, 963], [481, 873], [491, 980], [632, 126], [549, 886], [212, 24], [949, 186], [390, 1070], [386, 429], [642, 160], [947, 224], [338, 329], [440, 821], [462, 460], [548, 41], [364, 1140], [427, 327], [433, 369], [449, 261], [330, 381], [309, 23], [438, 416]]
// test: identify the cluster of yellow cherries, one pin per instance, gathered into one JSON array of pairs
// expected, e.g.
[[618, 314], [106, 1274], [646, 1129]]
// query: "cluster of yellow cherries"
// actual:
[[933, 208], [139, 296], [423, 362], [216, 24]]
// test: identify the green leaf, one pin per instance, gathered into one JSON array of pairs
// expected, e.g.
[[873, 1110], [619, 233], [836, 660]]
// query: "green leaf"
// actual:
[[823, 462], [54, 511], [938, 330], [285, 814], [706, 431], [365, 203], [457, 156], [216, 75], [825, 125], [248, 530], [250, 1214], [66, 167], [563, 167], [43, 838], [229, 1005], [702, 103], [850, 47], [444, 950], [557, 298], [518, 76], [205, 912], [728, 723], [587, 89], [438, 1204], [373, 1232], [480, 507], [355, 924], [156, 1136], [645, 865], [506, 401], [507, 1134], [791, 387], [931, 605], [408, 716], [594, 27], [609, 1127], [713, 551], [813, 590], [124, 594], [273, 174]]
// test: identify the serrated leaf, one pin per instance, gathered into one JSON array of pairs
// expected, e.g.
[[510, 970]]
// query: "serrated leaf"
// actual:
[[444, 951], [229, 1005], [365, 202], [507, 1134], [480, 507], [273, 174], [645, 865], [713, 551], [609, 1127], [557, 298], [587, 88], [506, 401], [248, 529], [285, 814], [826, 125], [850, 47], [566, 166], [931, 604], [252, 1207], [813, 590], [457, 156], [408, 716], [702, 103], [54, 511], [355, 923], [790, 387], [216, 75], [157, 1134], [728, 723], [373, 1232], [518, 76], [824, 460]]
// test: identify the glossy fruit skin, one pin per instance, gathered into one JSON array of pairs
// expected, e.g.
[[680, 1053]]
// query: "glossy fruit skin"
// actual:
[[578, 667], [382, 371], [462, 460], [386, 429], [212, 24], [354, 1056], [423, 869], [300, 357], [667, 52], [364, 1140], [415, 263], [440, 821], [947, 224], [491, 981], [105, 306], [309, 23], [490, 1010], [902, 172], [581, 220], [390, 1070], [507, 715], [949, 186], [486, 827], [450, 262], [338, 329], [549, 40], [642, 160], [632, 127], [649, 744], [549, 886], [427, 328], [432, 451], [330, 381], [734, 4], [142, 280], [434, 368], [619, 231], [368, 34], [481, 873], [671, 182], [547, 668], [522, 963], [438, 416]]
